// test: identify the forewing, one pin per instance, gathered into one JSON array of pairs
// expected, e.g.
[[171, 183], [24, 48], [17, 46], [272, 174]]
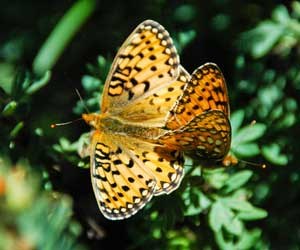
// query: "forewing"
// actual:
[[146, 60], [126, 175], [208, 136], [152, 110], [205, 91]]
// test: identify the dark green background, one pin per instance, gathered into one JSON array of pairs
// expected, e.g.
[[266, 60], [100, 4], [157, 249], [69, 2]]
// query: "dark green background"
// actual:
[[255, 43]]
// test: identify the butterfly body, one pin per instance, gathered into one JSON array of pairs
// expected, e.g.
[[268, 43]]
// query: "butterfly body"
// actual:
[[113, 125]]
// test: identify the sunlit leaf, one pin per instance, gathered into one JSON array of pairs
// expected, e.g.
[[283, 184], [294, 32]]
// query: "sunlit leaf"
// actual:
[[237, 180], [249, 133], [90, 83], [236, 120], [281, 14], [219, 215], [248, 239], [215, 178], [15, 131], [38, 84], [224, 243], [234, 226], [246, 150], [9, 108], [272, 154], [253, 214], [237, 204], [263, 38]]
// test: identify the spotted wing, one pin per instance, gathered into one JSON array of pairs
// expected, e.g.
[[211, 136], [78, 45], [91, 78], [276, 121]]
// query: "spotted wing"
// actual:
[[146, 61], [152, 110], [125, 175], [207, 135], [205, 91]]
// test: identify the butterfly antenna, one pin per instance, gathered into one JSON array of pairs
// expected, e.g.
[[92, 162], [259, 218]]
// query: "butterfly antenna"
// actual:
[[252, 123], [54, 125], [81, 99], [254, 164]]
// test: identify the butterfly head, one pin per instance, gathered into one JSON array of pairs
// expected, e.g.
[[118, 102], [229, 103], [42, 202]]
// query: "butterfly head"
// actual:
[[91, 119]]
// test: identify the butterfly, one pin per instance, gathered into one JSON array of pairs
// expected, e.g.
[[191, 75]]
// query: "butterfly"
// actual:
[[148, 114]]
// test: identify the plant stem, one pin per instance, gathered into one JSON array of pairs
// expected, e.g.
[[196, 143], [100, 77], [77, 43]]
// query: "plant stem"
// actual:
[[61, 35]]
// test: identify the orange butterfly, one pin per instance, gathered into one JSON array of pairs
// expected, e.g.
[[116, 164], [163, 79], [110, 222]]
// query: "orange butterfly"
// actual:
[[152, 111]]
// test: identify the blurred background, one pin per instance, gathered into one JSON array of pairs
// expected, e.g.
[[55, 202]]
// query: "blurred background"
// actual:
[[49, 48]]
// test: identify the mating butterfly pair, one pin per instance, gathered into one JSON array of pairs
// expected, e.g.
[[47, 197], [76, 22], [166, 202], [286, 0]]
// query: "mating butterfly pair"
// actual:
[[152, 112]]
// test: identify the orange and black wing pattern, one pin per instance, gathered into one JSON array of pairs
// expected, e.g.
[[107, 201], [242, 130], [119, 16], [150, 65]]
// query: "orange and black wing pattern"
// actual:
[[198, 123]]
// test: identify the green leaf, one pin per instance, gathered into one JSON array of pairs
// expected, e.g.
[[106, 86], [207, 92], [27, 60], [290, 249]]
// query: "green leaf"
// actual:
[[9, 108], [263, 38], [234, 226], [288, 120], [237, 180], [46, 224], [236, 120], [184, 38], [252, 214], [82, 164], [246, 150], [291, 104], [15, 131], [35, 86], [269, 95], [196, 172], [195, 201], [179, 240], [22, 78], [223, 244], [219, 215], [272, 153], [239, 64], [7, 73], [277, 112], [296, 8], [281, 14], [103, 66], [215, 178], [249, 133], [221, 22], [65, 145], [238, 204], [185, 13], [241, 193], [248, 239], [101, 61], [90, 83], [262, 190], [62, 35]]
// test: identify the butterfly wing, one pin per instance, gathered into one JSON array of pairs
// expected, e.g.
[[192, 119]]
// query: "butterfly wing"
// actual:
[[207, 135], [125, 175], [205, 91], [152, 110], [146, 63], [198, 123]]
